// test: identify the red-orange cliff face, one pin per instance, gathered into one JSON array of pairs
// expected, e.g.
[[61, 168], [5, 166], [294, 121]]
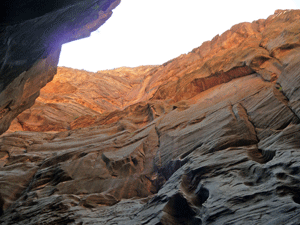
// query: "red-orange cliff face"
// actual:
[[78, 93], [31, 35], [245, 49], [210, 137]]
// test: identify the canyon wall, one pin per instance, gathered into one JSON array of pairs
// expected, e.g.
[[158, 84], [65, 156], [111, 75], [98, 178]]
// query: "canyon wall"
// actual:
[[31, 35], [210, 137]]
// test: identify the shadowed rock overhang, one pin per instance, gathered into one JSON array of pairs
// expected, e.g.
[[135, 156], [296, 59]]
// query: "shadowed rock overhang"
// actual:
[[31, 35]]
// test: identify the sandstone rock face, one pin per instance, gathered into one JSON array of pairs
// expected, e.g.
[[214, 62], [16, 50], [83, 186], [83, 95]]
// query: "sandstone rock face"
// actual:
[[77, 95], [31, 35], [211, 137]]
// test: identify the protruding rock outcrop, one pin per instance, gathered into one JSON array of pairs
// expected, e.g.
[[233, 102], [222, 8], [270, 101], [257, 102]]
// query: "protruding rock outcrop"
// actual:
[[31, 36], [211, 137]]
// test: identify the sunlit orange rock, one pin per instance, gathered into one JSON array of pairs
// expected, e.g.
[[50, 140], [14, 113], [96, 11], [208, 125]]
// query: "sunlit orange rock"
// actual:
[[31, 35], [210, 137]]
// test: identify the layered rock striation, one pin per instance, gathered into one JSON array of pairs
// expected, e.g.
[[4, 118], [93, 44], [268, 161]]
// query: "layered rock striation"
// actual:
[[75, 95], [210, 137], [31, 35]]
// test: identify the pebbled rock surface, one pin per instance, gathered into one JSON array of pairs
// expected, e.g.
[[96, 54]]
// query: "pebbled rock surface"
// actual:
[[31, 35], [210, 137]]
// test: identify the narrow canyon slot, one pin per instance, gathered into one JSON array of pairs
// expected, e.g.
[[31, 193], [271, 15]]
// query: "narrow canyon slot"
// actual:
[[211, 136]]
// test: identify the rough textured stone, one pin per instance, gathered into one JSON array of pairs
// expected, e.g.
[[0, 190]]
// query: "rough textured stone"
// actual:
[[31, 35], [77, 93], [211, 137]]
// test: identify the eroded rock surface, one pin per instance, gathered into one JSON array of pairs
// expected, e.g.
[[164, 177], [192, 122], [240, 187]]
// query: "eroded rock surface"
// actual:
[[31, 35], [211, 137]]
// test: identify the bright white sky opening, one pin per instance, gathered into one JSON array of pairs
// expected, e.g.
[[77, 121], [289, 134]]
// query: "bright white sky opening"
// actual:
[[151, 32]]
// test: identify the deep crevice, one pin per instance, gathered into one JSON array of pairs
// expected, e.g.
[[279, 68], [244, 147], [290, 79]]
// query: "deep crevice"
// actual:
[[285, 100], [248, 118], [201, 195], [1, 205], [168, 170], [179, 207], [158, 135], [191, 186], [289, 190], [296, 198], [258, 155]]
